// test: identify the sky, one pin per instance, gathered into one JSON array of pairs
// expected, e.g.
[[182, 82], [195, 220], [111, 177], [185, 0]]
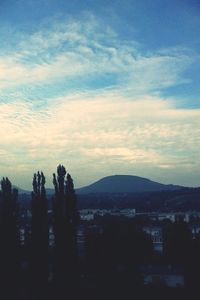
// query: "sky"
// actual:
[[102, 87]]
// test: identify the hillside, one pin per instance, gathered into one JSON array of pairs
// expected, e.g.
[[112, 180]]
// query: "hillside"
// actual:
[[186, 199], [125, 184]]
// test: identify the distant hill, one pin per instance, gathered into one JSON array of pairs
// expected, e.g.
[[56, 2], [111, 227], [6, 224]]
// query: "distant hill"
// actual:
[[125, 191], [21, 191], [125, 184]]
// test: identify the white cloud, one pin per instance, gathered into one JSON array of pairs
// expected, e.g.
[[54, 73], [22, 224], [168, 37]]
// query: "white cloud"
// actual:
[[101, 132], [84, 48], [123, 154], [125, 125]]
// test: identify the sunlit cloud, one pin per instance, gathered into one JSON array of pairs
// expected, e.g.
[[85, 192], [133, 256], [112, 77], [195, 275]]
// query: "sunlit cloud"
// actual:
[[94, 130]]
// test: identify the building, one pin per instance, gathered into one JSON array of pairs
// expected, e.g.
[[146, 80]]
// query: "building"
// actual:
[[168, 276], [156, 234]]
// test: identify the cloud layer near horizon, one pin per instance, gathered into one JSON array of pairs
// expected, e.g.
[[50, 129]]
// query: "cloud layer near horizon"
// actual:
[[144, 134]]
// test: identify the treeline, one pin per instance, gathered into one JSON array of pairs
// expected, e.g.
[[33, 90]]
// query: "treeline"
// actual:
[[114, 249], [28, 272], [117, 249], [179, 200]]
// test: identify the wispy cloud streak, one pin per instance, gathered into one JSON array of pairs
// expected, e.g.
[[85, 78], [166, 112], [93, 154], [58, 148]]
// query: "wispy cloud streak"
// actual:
[[74, 49]]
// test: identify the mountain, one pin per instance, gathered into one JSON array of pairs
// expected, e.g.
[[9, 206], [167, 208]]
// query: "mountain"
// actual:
[[21, 191], [49, 192], [125, 184]]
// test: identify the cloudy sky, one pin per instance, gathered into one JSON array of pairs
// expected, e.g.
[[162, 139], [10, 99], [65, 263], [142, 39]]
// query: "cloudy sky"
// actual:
[[103, 87]]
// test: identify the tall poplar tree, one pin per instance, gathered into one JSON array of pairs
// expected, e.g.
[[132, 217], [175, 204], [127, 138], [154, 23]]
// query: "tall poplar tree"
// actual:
[[39, 249], [65, 223], [9, 235]]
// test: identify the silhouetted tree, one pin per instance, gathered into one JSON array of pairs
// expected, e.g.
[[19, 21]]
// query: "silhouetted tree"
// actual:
[[114, 252], [9, 235], [177, 242], [65, 221], [39, 249]]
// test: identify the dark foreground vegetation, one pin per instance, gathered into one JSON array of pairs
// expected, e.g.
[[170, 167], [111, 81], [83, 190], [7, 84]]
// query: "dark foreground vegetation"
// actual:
[[107, 258]]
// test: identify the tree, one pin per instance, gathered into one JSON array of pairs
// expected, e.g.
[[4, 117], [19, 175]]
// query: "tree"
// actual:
[[9, 235], [177, 243], [39, 249], [65, 223]]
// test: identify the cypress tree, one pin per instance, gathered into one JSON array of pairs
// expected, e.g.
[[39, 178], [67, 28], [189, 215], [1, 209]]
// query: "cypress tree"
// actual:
[[65, 221], [39, 249], [9, 250]]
